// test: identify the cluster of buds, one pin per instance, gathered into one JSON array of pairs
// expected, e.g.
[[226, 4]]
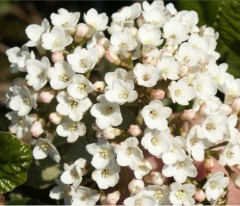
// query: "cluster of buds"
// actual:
[[162, 60]]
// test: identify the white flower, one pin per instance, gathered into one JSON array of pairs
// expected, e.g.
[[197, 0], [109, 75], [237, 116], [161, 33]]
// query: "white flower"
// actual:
[[168, 68], [147, 75], [71, 129], [56, 40], [181, 92], [106, 113], [61, 191], [65, 20], [230, 155], [102, 153], [156, 142], [107, 176], [176, 152], [182, 194], [118, 73], [34, 33], [159, 193], [154, 13], [20, 125], [155, 115], [84, 196], [149, 35], [71, 107], [232, 87], [141, 198], [97, 21], [215, 186], [20, 100], [196, 146], [213, 128], [37, 72], [174, 29], [80, 87], [188, 18], [188, 55], [122, 41], [204, 86], [141, 168], [180, 170], [127, 14], [18, 57], [83, 60], [121, 92], [128, 152], [44, 148], [60, 75], [73, 172]]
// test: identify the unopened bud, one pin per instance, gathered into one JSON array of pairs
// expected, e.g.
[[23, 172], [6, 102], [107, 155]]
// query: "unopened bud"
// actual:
[[209, 164], [104, 42], [157, 94], [188, 114], [226, 109], [99, 86], [37, 128], [185, 128], [112, 198], [55, 118], [155, 178], [46, 96], [57, 56], [236, 105], [112, 57], [236, 179], [101, 51], [199, 195], [135, 185], [111, 133], [204, 110], [134, 130], [81, 31]]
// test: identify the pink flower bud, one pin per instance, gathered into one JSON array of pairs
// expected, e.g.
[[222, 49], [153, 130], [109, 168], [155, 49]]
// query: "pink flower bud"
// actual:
[[185, 128], [104, 42], [110, 133], [55, 118], [236, 105], [204, 110], [236, 179], [157, 94], [135, 185], [46, 96], [134, 130], [81, 31], [37, 128], [226, 109], [112, 57], [155, 178], [99, 86], [209, 164], [199, 195], [112, 198], [101, 51], [188, 114], [57, 56]]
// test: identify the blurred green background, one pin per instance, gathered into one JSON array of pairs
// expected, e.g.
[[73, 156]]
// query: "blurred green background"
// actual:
[[15, 16]]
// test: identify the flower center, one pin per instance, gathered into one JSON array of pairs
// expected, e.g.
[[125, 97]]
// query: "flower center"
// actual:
[[181, 194]]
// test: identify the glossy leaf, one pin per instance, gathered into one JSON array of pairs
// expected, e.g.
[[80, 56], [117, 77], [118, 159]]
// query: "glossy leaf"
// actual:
[[228, 24], [15, 159]]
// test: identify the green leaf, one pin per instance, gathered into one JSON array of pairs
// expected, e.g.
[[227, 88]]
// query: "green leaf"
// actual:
[[228, 24], [15, 159]]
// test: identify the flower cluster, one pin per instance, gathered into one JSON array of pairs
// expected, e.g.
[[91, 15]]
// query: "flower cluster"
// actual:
[[162, 61]]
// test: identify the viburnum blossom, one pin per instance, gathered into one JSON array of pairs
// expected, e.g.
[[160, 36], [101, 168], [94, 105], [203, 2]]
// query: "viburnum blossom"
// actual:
[[140, 95]]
